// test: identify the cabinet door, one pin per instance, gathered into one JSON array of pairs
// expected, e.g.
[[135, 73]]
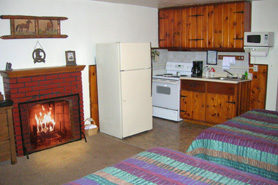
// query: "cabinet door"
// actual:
[[220, 108], [185, 27], [231, 20], [177, 24], [165, 17], [218, 35], [234, 25], [186, 105], [193, 99], [193, 105], [195, 34], [170, 27], [220, 102]]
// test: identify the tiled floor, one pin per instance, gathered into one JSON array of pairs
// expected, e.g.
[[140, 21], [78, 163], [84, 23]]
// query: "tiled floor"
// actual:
[[174, 135]]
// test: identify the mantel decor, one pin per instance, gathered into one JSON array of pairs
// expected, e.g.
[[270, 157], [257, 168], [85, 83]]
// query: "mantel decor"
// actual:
[[23, 27], [70, 58]]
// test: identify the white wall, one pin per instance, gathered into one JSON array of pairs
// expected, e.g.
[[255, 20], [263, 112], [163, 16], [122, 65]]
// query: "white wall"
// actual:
[[264, 18], [88, 23]]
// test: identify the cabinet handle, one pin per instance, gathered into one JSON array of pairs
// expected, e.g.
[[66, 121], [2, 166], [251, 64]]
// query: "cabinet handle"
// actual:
[[233, 102], [238, 38], [183, 96], [195, 39], [182, 111], [197, 15], [242, 12], [192, 85]]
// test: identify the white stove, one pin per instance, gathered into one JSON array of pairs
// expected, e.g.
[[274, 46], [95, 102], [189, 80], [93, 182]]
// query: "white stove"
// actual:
[[166, 91]]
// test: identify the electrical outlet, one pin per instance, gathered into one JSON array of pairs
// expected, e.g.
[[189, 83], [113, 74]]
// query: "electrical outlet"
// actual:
[[255, 68]]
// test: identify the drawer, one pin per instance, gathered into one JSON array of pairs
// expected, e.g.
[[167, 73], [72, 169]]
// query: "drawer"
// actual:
[[192, 85], [3, 118], [221, 88]]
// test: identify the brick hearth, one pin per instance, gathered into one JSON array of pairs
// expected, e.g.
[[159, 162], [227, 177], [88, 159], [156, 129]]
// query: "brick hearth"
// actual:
[[38, 84]]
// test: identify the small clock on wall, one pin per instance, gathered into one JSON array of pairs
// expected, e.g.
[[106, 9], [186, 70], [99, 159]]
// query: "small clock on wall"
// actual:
[[70, 58]]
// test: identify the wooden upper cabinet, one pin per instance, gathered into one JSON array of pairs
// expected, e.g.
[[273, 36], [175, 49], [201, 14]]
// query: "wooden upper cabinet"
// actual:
[[166, 28], [214, 26]]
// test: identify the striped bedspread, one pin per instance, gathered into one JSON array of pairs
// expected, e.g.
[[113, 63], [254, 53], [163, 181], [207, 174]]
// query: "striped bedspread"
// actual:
[[165, 166], [248, 142]]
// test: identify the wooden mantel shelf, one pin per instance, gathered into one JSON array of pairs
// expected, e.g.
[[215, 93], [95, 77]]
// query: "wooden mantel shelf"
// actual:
[[41, 71]]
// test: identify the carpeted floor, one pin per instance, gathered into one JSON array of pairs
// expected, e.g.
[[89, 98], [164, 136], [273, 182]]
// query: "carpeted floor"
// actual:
[[71, 161]]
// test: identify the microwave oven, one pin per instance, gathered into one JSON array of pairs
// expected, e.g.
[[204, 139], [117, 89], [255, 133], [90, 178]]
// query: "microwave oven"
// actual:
[[258, 39]]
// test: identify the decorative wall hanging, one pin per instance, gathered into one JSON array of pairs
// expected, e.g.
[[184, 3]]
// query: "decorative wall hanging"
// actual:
[[23, 27], [38, 54], [70, 58]]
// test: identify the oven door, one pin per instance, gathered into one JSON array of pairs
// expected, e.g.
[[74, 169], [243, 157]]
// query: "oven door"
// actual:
[[166, 93]]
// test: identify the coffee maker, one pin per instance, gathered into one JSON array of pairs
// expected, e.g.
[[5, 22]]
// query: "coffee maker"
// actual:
[[197, 69]]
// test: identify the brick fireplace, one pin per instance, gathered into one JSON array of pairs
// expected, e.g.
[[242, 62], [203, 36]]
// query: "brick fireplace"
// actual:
[[56, 90]]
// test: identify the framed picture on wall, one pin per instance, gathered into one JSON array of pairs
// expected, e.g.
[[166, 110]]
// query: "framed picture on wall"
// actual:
[[70, 58], [212, 58]]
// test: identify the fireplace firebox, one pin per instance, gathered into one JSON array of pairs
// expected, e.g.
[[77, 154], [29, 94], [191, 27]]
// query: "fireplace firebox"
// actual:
[[48, 123]]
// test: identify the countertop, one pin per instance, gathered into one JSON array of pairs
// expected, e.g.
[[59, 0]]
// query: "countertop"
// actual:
[[232, 81]]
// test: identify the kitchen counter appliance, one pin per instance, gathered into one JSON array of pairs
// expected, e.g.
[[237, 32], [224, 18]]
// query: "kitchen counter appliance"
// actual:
[[197, 69], [166, 91]]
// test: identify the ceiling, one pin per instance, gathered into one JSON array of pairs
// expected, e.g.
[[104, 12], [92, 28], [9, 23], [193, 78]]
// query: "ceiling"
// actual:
[[167, 3]]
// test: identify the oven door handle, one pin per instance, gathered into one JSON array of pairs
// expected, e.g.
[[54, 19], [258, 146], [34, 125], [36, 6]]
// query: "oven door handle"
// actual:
[[175, 82]]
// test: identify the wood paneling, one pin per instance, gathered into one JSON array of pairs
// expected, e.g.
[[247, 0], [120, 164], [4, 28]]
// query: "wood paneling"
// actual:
[[93, 94], [244, 97], [258, 87]]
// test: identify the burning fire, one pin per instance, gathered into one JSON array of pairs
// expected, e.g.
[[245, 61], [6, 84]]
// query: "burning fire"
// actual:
[[45, 122]]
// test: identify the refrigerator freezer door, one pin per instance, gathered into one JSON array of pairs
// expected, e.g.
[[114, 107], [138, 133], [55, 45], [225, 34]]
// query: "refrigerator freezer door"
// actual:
[[135, 56], [136, 101]]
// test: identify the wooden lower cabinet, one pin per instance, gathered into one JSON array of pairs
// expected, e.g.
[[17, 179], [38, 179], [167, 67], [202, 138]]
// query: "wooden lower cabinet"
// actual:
[[193, 105], [7, 143], [220, 108], [213, 102], [193, 100]]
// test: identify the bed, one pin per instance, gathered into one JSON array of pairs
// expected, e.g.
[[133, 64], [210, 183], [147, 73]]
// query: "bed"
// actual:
[[165, 166], [248, 142]]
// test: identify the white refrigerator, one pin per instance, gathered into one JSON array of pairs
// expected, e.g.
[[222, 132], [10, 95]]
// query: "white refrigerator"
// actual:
[[124, 88]]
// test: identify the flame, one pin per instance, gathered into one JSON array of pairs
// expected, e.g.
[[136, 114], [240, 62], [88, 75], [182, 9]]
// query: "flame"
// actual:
[[45, 122]]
